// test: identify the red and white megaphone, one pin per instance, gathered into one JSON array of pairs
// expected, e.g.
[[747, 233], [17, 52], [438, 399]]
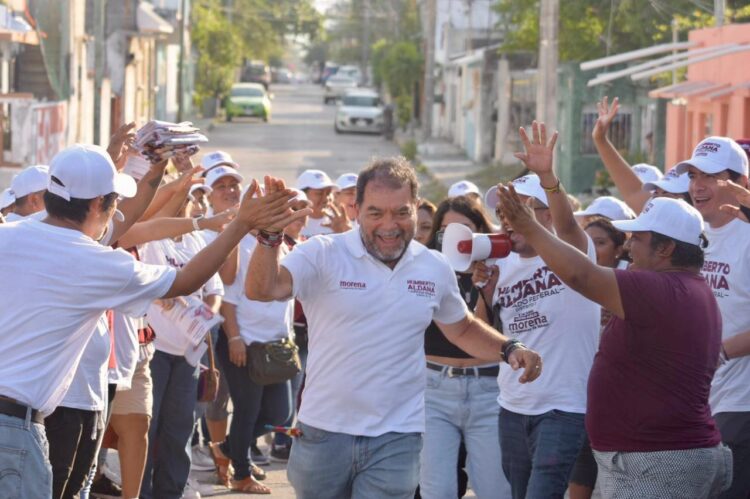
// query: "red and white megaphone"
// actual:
[[461, 246]]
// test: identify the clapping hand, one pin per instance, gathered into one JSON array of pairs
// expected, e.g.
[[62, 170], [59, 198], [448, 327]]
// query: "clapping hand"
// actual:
[[517, 213], [270, 211], [743, 197], [339, 221]]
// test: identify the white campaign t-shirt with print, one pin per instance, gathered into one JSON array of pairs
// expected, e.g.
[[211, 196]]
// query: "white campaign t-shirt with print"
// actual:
[[56, 283], [259, 322], [314, 227], [88, 390], [727, 271], [365, 371], [175, 254], [537, 308]]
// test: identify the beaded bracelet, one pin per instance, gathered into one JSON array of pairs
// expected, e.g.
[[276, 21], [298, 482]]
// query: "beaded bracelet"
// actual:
[[270, 239]]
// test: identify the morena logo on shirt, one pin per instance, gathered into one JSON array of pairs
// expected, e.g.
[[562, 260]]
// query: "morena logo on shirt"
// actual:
[[421, 288], [528, 321], [352, 285], [707, 148]]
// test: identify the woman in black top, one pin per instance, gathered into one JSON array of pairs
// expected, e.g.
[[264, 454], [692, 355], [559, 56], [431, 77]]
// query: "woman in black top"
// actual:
[[462, 391]]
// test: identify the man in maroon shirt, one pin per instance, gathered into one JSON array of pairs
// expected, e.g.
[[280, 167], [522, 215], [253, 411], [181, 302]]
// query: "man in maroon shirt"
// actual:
[[648, 416]]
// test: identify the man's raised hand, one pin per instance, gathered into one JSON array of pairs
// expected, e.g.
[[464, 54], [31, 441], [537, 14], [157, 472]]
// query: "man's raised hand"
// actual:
[[743, 197], [538, 152], [270, 211]]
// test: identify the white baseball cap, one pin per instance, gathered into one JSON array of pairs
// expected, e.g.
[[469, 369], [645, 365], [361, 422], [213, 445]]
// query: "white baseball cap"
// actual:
[[30, 179], [6, 198], [528, 185], [346, 181], [672, 182], [215, 159], [218, 172], [314, 179], [199, 187], [646, 172], [463, 187], [299, 196], [608, 207], [670, 217], [716, 154], [85, 171]]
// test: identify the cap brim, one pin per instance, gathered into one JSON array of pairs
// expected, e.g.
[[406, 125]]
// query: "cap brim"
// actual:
[[236, 176], [704, 165], [125, 185], [671, 187], [629, 226], [344, 186]]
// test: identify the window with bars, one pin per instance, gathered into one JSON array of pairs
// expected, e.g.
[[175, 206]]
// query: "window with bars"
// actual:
[[620, 132]]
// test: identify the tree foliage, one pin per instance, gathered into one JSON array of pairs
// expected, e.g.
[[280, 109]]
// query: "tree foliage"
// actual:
[[585, 28], [217, 46]]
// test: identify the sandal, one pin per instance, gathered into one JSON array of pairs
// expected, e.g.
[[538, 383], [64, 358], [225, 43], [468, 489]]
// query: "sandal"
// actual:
[[222, 462], [249, 485], [257, 472]]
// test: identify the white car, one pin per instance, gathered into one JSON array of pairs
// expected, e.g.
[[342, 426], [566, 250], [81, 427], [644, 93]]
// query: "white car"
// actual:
[[336, 87], [359, 111]]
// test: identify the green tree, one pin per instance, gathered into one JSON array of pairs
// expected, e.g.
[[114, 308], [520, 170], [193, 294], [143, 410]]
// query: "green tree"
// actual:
[[217, 46]]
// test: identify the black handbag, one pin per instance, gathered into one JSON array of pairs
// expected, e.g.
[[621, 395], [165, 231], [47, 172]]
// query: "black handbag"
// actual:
[[273, 362]]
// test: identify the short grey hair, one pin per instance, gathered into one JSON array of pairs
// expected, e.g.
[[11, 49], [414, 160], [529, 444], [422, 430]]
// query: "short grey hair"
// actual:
[[395, 172]]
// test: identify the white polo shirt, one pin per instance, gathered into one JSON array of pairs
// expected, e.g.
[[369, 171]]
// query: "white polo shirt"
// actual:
[[314, 227], [55, 284], [259, 322], [366, 364]]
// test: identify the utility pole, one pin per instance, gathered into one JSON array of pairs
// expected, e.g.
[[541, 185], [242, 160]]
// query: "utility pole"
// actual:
[[365, 41], [181, 64], [429, 10], [719, 7], [546, 85], [675, 39], [100, 16]]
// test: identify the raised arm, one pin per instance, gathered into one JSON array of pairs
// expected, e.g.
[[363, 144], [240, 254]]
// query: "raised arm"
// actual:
[[596, 283], [627, 182], [270, 210], [165, 228], [539, 158]]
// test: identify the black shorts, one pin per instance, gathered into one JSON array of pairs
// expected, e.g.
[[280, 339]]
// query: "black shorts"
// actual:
[[584, 470]]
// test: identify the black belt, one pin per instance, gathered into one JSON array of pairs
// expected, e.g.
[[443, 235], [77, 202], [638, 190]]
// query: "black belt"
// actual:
[[12, 408], [465, 371]]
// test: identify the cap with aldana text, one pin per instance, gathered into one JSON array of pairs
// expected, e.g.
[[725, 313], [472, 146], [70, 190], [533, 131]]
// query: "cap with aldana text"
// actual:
[[84, 171], [462, 188], [221, 171], [672, 182], [346, 181], [217, 158], [646, 172], [716, 154], [669, 217], [608, 207], [31, 179], [528, 185], [314, 179]]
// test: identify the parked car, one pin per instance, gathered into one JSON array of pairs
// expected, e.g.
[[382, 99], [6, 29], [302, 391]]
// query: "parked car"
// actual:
[[336, 87], [360, 110], [256, 72], [352, 72], [281, 75], [248, 99], [329, 69]]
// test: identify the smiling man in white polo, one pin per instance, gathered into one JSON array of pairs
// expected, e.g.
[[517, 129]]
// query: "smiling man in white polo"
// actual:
[[56, 280], [368, 295]]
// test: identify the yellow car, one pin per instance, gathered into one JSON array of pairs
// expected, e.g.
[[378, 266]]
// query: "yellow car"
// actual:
[[248, 99]]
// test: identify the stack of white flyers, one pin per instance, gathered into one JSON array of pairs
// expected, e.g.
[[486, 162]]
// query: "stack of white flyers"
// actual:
[[160, 140]]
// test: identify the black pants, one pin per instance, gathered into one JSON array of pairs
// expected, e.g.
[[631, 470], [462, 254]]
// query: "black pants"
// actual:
[[73, 442], [735, 433]]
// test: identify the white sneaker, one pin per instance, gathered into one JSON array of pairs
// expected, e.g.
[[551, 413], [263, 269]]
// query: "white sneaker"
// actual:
[[196, 490], [201, 459]]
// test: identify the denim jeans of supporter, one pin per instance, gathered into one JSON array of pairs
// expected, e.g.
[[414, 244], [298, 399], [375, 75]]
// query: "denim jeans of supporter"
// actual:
[[26, 472], [328, 465], [255, 406], [735, 433], [455, 408], [173, 416], [539, 451], [672, 474]]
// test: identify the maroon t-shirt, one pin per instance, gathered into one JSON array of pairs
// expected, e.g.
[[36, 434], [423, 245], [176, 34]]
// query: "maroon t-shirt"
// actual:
[[648, 388]]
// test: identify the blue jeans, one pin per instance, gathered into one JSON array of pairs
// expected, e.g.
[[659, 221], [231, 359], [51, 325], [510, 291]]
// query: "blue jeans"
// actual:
[[328, 465], [24, 464], [255, 406], [461, 407], [539, 451], [173, 416]]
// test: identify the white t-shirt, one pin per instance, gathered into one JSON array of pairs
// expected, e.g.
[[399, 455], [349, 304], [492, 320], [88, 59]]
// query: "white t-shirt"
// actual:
[[537, 308], [175, 254], [727, 271], [366, 365], [259, 321], [88, 390], [55, 284], [314, 227], [128, 351]]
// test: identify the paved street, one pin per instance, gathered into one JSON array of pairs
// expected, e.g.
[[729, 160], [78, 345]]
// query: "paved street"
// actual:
[[299, 136]]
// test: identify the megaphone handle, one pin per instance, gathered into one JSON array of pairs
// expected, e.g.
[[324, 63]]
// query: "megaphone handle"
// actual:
[[489, 262]]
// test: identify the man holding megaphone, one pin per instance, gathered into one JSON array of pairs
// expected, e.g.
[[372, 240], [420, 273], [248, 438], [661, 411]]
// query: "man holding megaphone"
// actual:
[[541, 426]]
